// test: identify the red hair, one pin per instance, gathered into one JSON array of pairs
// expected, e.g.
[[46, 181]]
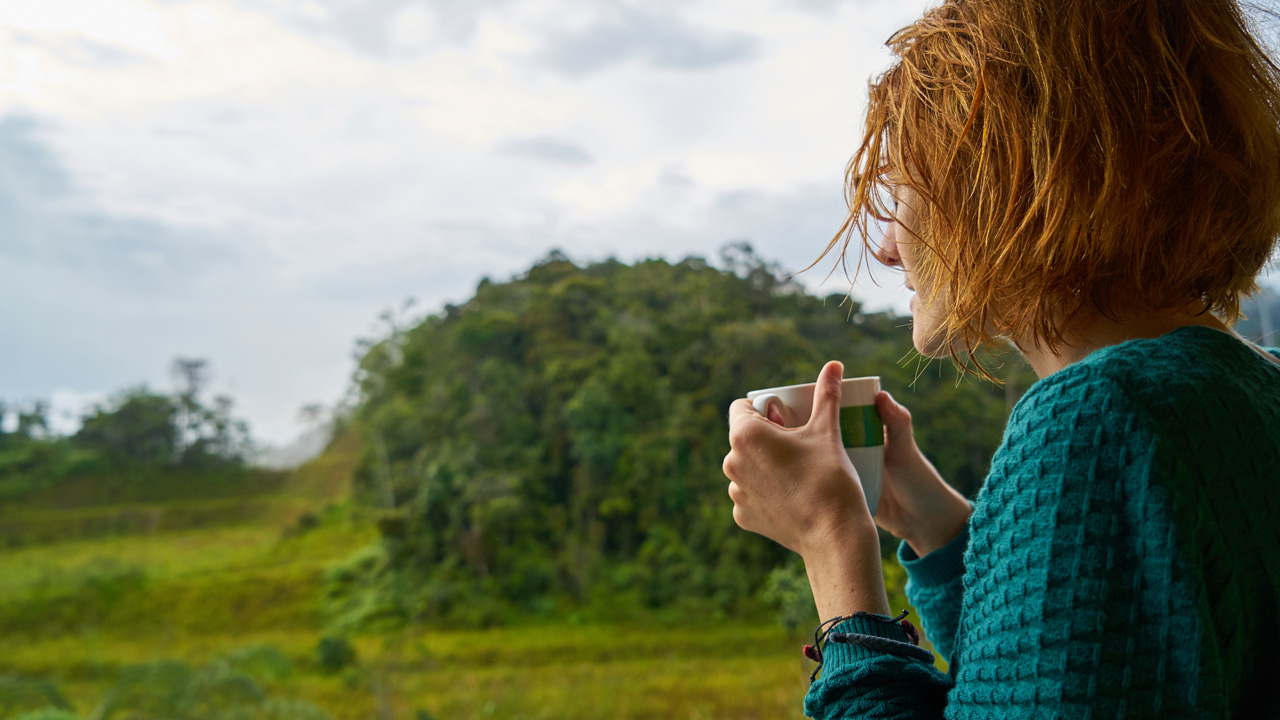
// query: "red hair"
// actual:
[[1074, 158]]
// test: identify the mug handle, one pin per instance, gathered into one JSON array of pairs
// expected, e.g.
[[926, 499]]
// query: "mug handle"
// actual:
[[761, 403]]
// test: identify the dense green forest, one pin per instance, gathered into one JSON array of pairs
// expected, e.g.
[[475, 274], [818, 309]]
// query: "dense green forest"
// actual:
[[555, 442]]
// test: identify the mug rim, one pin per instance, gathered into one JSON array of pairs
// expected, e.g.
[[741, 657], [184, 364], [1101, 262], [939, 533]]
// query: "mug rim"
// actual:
[[753, 394]]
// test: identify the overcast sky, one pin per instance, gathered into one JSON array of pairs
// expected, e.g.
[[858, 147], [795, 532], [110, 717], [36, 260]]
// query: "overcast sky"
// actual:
[[254, 181]]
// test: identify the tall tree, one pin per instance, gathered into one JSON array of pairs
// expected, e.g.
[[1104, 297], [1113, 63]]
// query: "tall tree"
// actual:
[[189, 376], [33, 421]]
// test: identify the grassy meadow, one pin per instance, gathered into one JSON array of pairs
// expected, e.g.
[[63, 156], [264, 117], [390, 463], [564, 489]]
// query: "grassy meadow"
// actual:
[[89, 589]]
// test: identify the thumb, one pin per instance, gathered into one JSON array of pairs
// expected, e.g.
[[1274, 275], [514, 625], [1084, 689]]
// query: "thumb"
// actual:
[[896, 418], [826, 398]]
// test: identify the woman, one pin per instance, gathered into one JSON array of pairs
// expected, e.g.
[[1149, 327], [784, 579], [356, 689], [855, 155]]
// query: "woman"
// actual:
[[1097, 183]]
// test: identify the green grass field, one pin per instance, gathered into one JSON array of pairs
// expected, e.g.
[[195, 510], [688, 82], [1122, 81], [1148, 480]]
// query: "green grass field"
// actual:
[[82, 599], [550, 672], [205, 592]]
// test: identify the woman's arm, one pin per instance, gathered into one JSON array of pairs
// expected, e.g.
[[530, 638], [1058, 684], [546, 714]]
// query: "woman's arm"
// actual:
[[1078, 605], [935, 588]]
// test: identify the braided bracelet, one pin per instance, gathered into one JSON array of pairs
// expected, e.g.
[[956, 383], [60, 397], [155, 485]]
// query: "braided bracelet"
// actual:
[[885, 645], [823, 633]]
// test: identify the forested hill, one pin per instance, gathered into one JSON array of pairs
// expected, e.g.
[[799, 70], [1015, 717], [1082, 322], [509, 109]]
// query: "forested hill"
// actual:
[[557, 439]]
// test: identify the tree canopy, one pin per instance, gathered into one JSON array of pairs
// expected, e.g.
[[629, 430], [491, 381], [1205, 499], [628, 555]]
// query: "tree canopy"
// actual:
[[559, 437]]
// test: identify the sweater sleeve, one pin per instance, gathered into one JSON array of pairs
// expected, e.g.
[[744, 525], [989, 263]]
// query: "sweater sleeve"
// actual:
[[935, 588], [1055, 601]]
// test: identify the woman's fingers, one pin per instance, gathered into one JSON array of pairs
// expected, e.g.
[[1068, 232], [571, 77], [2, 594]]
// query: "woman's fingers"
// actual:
[[741, 419], [744, 421], [896, 418], [826, 399], [740, 514], [735, 492]]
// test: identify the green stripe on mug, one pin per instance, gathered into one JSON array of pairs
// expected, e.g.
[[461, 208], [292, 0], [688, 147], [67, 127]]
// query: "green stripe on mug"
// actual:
[[860, 426]]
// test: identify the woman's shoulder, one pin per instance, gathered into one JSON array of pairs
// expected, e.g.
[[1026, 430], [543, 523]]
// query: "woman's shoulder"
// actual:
[[1193, 374], [1183, 400]]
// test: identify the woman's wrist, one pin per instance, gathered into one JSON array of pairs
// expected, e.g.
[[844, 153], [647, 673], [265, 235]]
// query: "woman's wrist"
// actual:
[[943, 526], [845, 573]]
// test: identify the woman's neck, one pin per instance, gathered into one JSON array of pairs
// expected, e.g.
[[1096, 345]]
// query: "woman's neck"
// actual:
[[1102, 332]]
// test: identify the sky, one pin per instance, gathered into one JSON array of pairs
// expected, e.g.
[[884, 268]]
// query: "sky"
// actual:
[[254, 181]]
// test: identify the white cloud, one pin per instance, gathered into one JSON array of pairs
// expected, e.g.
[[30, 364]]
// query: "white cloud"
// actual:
[[383, 29], [547, 149], [133, 25], [662, 41]]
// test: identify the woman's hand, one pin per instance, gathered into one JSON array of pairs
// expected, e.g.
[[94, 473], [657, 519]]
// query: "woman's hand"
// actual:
[[797, 487], [916, 504]]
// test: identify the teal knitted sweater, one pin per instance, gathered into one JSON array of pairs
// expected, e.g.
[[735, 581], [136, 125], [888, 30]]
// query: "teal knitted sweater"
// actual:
[[1122, 559]]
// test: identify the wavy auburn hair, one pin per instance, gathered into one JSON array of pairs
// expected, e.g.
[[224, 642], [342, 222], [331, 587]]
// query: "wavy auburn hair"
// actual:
[[1073, 158]]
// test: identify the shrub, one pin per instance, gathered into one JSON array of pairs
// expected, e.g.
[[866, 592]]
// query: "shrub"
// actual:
[[787, 590], [334, 654], [20, 693]]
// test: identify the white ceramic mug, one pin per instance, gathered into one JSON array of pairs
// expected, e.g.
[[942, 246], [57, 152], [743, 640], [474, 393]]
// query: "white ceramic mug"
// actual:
[[860, 424]]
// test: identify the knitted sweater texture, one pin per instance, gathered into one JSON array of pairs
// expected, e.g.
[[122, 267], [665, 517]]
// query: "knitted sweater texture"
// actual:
[[1122, 559]]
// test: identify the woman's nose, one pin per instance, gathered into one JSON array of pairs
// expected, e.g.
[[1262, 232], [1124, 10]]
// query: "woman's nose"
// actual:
[[888, 252]]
